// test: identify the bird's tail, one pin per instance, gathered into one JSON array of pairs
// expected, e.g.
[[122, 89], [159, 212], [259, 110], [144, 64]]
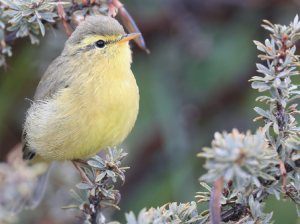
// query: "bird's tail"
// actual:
[[41, 170], [33, 199], [39, 190], [22, 184]]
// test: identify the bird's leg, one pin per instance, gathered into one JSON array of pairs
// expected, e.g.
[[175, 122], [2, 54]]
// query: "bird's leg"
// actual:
[[82, 174]]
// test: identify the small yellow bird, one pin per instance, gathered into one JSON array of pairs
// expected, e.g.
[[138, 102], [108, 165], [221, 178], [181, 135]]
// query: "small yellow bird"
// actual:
[[87, 100]]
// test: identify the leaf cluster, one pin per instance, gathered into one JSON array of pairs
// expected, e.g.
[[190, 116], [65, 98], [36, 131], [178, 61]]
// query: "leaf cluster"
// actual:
[[174, 214], [239, 158], [234, 205], [29, 18], [101, 194], [267, 163]]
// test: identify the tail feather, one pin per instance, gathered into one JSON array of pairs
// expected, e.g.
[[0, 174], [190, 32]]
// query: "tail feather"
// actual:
[[39, 191], [31, 201], [35, 196]]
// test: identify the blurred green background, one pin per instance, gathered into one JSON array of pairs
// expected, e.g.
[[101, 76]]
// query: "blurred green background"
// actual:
[[194, 83]]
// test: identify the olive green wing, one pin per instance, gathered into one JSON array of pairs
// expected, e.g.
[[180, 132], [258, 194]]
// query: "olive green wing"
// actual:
[[55, 78]]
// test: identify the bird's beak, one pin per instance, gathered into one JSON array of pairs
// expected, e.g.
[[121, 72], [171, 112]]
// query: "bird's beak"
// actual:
[[128, 37]]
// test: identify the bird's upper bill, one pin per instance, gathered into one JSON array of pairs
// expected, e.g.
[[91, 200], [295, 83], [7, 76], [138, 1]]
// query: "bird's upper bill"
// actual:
[[128, 37]]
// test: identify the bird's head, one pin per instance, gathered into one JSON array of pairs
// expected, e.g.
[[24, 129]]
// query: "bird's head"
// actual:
[[99, 38]]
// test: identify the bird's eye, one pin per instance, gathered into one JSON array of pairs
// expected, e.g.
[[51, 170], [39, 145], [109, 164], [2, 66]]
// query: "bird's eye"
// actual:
[[100, 44]]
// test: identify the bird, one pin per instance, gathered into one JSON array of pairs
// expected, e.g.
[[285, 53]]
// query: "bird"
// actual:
[[87, 99]]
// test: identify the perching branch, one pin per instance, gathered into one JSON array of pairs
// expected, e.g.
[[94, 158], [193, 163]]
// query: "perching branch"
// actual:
[[32, 18]]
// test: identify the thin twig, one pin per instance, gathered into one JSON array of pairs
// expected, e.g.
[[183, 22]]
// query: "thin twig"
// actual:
[[82, 174], [62, 16], [80, 161], [283, 174], [214, 206], [243, 219]]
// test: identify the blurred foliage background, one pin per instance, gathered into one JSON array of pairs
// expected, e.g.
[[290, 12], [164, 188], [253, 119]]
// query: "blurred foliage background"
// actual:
[[194, 82]]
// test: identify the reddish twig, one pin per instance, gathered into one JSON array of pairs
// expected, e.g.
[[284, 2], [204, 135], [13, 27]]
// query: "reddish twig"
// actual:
[[111, 9], [214, 206], [130, 25], [117, 3], [82, 174], [85, 2], [283, 174], [62, 16], [80, 161]]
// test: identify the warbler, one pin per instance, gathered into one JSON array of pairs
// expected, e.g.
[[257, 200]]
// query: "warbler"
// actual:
[[87, 99]]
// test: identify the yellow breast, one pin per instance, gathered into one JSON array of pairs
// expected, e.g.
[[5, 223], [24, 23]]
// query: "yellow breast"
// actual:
[[94, 112]]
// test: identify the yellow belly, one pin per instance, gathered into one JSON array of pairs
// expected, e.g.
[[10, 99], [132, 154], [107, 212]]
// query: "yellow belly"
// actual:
[[83, 119]]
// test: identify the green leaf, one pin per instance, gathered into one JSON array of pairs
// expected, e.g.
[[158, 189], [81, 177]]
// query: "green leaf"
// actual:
[[41, 27], [11, 13], [16, 19], [84, 186], [262, 112], [256, 181], [257, 78], [80, 12], [263, 69], [96, 164], [267, 126], [70, 207], [100, 176], [33, 39], [275, 128], [260, 46], [14, 27], [297, 129], [273, 92], [206, 186], [85, 194], [107, 203], [27, 12], [293, 98], [263, 88], [256, 85], [32, 19], [38, 14], [11, 5], [47, 16], [295, 157], [89, 173], [297, 209], [277, 82], [58, 3], [76, 196], [292, 145], [277, 195], [266, 176], [100, 160], [283, 103], [283, 74], [130, 218], [295, 92], [268, 218], [110, 173]]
